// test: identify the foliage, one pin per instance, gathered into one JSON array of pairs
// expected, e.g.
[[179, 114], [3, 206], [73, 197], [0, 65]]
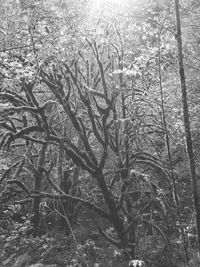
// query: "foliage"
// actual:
[[91, 128]]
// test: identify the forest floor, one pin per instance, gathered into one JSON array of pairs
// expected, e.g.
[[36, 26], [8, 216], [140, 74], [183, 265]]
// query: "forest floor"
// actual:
[[82, 247], [57, 250]]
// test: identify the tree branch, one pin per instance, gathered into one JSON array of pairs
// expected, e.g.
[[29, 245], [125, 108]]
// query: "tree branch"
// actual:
[[19, 184]]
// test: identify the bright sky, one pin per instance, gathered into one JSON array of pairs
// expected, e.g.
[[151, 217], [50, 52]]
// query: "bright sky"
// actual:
[[98, 6], [109, 9], [102, 3]]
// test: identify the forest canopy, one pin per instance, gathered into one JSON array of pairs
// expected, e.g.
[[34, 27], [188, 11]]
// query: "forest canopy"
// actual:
[[99, 132]]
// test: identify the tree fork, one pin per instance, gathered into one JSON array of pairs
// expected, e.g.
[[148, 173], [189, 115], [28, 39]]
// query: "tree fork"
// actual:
[[188, 137]]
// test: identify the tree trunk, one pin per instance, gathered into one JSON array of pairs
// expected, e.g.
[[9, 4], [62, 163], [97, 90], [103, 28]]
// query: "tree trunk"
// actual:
[[76, 172], [37, 186], [174, 186], [189, 144], [36, 203], [114, 215]]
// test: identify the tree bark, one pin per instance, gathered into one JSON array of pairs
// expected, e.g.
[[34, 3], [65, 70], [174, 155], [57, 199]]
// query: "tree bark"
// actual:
[[113, 213], [188, 137], [174, 186], [37, 186]]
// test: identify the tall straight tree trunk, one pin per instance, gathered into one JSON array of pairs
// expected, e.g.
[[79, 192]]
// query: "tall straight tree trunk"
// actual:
[[174, 186], [187, 121]]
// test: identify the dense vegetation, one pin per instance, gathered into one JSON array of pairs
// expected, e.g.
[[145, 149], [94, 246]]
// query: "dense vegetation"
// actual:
[[99, 159]]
